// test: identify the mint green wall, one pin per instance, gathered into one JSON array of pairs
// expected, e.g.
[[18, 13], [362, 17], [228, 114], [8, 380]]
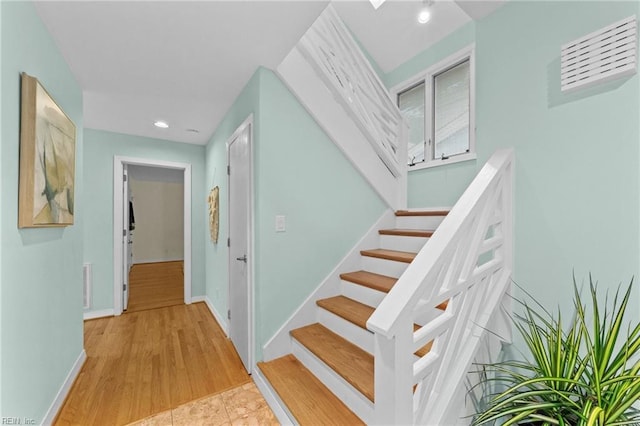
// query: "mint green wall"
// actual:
[[100, 149], [458, 40], [299, 173], [577, 173], [217, 273], [41, 269]]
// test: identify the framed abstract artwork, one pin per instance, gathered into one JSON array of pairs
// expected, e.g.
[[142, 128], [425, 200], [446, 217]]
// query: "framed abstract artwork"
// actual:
[[47, 159]]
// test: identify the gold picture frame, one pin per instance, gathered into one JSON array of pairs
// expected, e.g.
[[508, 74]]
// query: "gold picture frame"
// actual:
[[47, 159]]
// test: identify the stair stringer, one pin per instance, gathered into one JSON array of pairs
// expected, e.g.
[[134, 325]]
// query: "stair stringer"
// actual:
[[279, 408], [280, 343], [302, 80]]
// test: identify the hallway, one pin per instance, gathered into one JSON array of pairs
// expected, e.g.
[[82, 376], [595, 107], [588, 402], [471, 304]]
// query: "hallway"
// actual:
[[144, 363]]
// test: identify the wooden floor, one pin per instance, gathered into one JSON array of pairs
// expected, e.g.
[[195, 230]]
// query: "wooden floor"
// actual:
[[147, 362], [155, 285]]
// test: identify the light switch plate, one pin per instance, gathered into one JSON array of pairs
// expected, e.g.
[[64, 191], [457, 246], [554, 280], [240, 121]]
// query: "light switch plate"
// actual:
[[280, 224]]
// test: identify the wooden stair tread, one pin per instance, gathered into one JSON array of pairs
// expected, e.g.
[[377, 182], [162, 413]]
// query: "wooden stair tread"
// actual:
[[352, 311], [398, 256], [404, 213], [308, 400], [369, 279], [424, 233], [358, 314], [346, 359]]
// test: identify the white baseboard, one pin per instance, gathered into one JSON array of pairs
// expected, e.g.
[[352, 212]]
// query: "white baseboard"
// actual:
[[137, 262], [52, 412], [223, 324], [281, 412], [98, 314]]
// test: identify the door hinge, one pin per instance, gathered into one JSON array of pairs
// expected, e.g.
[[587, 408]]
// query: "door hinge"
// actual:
[[229, 170], [124, 232], [228, 242], [124, 287], [229, 314], [124, 178]]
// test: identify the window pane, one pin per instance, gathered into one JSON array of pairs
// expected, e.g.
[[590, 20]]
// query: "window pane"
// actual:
[[411, 103], [451, 106]]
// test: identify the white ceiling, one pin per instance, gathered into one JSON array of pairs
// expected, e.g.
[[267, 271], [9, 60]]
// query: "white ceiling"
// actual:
[[185, 62]]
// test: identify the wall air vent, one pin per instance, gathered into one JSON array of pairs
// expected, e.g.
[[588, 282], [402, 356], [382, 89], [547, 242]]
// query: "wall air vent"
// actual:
[[87, 280], [601, 56]]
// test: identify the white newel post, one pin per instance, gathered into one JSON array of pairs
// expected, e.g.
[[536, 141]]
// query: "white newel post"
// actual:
[[394, 378]]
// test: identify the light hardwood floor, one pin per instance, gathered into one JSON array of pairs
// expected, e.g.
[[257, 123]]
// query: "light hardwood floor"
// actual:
[[147, 362], [155, 285]]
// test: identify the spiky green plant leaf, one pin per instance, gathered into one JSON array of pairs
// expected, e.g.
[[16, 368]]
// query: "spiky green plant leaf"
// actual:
[[579, 376]]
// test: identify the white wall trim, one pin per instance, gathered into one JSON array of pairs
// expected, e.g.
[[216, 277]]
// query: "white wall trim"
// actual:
[[102, 313], [118, 163], [171, 259], [52, 412], [219, 318], [280, 410], [280, 343]]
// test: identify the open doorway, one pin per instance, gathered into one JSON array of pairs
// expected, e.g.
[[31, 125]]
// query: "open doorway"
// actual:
[[132, 248], [155, 247]]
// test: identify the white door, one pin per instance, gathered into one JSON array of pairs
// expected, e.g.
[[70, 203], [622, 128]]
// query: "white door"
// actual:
[[125, 237], [239, 245]]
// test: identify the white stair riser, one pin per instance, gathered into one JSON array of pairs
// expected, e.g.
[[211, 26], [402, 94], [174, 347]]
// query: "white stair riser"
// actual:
[[390, 268], [358, 336], [362, 294], [418, 222], [351, 397], [402, 243]]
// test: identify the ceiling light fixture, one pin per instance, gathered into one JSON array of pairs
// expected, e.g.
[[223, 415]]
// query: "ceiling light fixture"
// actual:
[[376, 3], [425, 13], [161, 124]]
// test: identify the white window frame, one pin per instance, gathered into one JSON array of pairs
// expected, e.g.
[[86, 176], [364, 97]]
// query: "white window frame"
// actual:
[[427, 76]]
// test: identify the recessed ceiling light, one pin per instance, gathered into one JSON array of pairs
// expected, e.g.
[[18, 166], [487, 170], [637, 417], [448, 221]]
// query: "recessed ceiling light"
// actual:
[[424, 16], [425, 13], [161, 124]]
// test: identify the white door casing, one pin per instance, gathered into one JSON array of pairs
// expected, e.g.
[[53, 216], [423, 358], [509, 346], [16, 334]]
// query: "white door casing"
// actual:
[[240, 243], [119, 225], [125, 237]]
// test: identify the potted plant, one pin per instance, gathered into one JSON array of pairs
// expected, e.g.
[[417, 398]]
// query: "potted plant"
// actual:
[[584, 372]]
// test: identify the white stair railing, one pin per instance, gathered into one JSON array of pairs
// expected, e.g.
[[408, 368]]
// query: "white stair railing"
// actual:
[[333, 79], [349, 75], [467, 265]]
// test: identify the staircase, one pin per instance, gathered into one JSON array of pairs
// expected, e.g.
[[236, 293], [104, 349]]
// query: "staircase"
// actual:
[[390, 335], [332, 361]]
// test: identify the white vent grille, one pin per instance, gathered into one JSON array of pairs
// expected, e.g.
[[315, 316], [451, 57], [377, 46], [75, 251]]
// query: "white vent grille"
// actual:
[[87, 278], [600, 56]]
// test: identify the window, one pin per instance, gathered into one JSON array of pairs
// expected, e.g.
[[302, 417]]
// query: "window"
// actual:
[[439, 106]]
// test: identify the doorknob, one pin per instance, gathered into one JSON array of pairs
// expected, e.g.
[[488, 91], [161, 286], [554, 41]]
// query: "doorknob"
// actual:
[[242, 259]]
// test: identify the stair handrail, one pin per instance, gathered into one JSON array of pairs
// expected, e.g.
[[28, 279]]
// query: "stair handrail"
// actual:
[[345, 70], [467, 264]]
